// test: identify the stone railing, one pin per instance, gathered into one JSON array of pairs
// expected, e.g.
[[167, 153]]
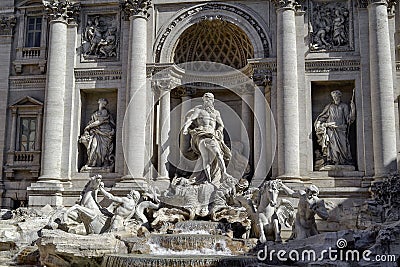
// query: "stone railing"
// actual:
[[23, 160], [30, 53], [19, 158], [29, 56]]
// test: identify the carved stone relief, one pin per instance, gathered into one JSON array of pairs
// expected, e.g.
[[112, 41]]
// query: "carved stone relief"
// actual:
[[330, 26], [100, 37]]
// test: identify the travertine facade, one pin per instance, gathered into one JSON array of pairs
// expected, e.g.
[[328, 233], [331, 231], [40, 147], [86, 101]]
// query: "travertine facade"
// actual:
[[59, 57]]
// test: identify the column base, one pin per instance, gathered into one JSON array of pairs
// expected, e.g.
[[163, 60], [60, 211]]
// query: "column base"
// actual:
[[46, 192], [127, 183]]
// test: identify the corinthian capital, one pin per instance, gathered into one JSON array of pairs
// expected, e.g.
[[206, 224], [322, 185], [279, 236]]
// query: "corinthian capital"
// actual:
[[286, 4], [7, 25], [136, 7], [63, 10]]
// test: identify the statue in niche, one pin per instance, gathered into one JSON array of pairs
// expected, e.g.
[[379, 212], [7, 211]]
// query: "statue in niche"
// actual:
[[332, 130], [329, 27], [207, 140], [309, 205], [100, 38], [98, 139]]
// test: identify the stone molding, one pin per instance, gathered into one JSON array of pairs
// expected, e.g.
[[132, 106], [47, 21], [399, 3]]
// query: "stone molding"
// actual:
[[38, 82], [317, 66], [268, 66], [263, 69], [62, 10], [87, 75], [136, 8], [214, 7], [7, 24]]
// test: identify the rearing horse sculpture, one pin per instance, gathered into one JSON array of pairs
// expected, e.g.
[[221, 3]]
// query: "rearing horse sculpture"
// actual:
[[95, 218], [269, 215]]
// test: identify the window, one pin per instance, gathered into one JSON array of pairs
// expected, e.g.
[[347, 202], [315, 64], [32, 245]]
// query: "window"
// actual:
[[27, 138], [33, 32]]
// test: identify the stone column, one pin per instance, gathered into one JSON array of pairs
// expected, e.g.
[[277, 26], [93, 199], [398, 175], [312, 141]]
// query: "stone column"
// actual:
[[164, 89], [247, 96], [137, 12], [6, 38], [184, 140], [49, 188], [260, 136], [134, 138], [381, 75], [287, 91]]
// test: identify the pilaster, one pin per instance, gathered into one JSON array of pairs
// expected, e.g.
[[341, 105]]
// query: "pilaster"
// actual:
[[7, 23]]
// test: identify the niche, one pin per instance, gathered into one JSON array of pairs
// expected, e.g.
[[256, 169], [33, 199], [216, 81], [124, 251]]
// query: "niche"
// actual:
[[96, 145], [335, 155]]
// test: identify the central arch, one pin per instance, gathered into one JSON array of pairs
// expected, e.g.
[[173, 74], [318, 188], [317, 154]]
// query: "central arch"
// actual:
[[239, 15]]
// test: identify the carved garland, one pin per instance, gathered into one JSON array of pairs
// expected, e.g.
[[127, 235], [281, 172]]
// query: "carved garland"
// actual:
[[213, 6]]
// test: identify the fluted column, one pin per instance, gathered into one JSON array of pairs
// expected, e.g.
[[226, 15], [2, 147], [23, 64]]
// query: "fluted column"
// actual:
[[60, 12], [287, 91], [381, 75], [137, 12]]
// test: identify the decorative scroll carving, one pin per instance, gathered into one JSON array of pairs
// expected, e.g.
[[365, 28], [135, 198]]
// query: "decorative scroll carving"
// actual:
[[330, 27], [100, 38], [7, 25], [64, 10], [135, 8]]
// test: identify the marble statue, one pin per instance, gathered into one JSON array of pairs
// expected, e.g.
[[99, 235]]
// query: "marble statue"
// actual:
[[332, 130], [98, 138], [123, 208], [122, 212], [266, 213], [87, 211], [205, 125], [309, 205]]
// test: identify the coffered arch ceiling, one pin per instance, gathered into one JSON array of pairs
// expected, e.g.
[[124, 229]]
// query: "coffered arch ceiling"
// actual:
[[214, 40]]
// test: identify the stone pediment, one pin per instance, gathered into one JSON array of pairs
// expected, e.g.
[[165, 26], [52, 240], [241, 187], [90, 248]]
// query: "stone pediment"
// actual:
[[26, 101]]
